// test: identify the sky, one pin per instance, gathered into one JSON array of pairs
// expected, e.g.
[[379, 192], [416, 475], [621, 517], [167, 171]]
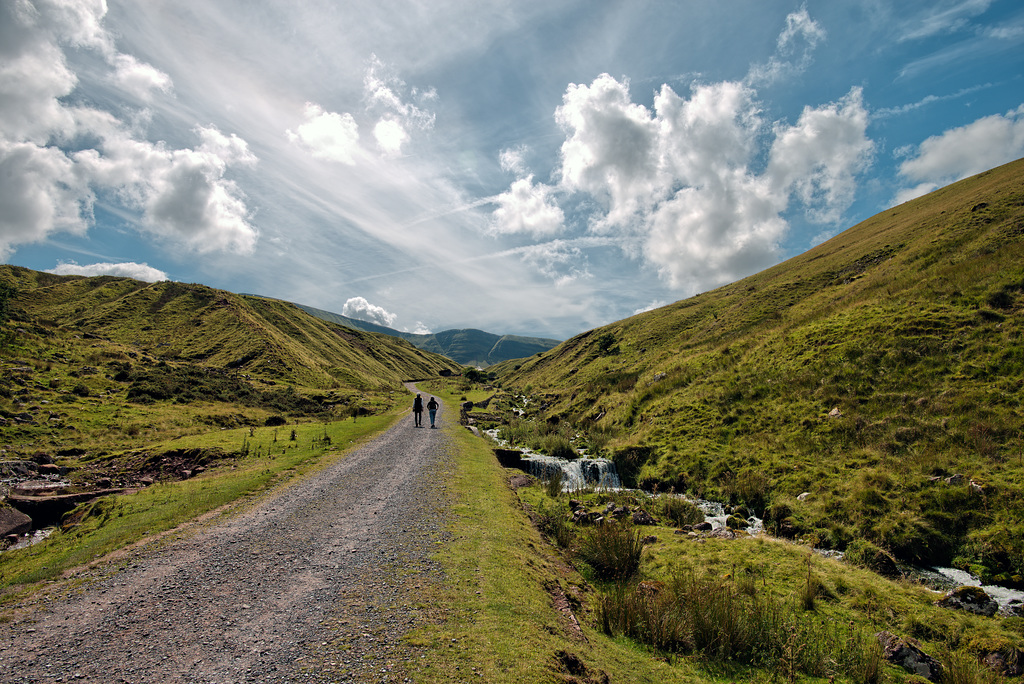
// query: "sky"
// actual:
[[529, 167]]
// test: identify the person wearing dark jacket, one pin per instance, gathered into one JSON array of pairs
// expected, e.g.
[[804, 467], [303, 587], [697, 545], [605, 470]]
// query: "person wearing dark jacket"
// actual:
[[417, 411]]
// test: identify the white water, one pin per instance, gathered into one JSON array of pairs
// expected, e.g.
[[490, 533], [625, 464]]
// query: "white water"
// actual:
[[600, 473], [951, 577]]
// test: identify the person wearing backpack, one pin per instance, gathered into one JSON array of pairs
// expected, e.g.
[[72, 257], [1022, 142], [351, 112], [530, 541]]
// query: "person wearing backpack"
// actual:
[[417, 411]]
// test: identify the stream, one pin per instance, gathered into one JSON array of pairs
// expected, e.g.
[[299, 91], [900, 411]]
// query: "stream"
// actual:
[[600, 474]]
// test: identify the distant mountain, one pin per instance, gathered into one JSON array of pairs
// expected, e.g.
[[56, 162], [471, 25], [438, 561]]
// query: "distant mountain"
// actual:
[[468, 346]]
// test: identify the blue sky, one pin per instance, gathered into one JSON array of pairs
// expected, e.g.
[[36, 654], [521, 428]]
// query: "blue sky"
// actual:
[[527, 167]]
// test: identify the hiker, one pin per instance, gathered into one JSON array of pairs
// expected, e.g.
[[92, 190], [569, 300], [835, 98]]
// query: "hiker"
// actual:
[[432, 407], [417, 411]]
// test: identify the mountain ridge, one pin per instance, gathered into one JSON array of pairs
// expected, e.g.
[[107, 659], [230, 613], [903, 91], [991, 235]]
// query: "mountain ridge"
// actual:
[[468, 346]]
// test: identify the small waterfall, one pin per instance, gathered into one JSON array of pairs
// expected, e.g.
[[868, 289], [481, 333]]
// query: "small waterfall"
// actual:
[[581, 473]]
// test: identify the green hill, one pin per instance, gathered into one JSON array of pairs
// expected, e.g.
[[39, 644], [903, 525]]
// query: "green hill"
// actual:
[[129, 362], [468, 347], [866, 394]]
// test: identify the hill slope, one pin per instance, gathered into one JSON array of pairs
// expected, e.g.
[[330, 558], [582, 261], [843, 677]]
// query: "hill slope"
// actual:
[[98, 364], [467, 346], [879, 373]]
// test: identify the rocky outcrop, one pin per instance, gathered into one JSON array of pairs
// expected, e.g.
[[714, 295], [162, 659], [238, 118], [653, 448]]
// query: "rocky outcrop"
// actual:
[[970, 600], [907, 654]]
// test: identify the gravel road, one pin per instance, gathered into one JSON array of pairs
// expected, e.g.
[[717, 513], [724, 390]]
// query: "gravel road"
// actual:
[[317, 583]]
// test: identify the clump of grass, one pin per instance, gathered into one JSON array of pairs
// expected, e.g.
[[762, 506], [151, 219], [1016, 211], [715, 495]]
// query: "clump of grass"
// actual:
[[552, 523], [553, 486], [710, 618], [679, 511], [612, 550]]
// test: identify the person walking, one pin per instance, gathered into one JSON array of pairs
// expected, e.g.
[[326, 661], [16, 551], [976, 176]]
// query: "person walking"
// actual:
[[417, 411], [432, 406]]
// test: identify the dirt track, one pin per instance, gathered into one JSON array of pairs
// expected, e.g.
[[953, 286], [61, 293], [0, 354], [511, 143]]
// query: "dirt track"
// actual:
[[316, 584]]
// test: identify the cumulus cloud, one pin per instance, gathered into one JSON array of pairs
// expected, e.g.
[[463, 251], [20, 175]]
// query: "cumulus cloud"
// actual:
[[610, 150], [57, 156], [681, 177], [327, 135], [128, 269], [820, 156], [138, 78], [527, 208], [360, 309], [964, 151]]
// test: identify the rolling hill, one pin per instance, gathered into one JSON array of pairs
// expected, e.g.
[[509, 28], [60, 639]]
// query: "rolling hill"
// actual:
[[468, 346], [104, 362], [865, 395]]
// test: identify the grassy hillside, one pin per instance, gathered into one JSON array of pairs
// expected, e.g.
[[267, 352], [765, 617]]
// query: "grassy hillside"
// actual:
[[880, 373], [466, 346], [112, 363]]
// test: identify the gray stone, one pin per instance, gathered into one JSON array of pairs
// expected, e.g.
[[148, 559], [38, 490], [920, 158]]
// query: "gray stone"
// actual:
[[970, 600], [907, 654], [13, 521]]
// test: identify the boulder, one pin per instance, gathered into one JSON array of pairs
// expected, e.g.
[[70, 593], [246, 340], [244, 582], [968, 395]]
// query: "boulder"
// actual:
[[703, 527], [970, 600], [907, 654], [13, 521], [642, 517]]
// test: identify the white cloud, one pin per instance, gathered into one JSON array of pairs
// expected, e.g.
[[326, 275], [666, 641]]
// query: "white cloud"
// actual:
[[182, 194], [128, 269], [138, 78], [820, 156], [527, 208], [610, 151], [943, 17], [681, 177], [327, 135], [964, 151], [513, 160], [360, 309], [41, 193], [559, 260], [388, 97], [793, 50], [390, 135]]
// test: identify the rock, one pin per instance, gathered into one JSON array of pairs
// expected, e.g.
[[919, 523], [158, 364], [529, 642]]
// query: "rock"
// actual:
[[1008, 664], [648, 540], [907, 654], [18, 469], [803, 497], [835, 413], [643, 518], [970, 600], [1015, 608], [104, 483], [722, 533], [13, 521], [575, 504], [703, 527], [955, 479], [50, 469]]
